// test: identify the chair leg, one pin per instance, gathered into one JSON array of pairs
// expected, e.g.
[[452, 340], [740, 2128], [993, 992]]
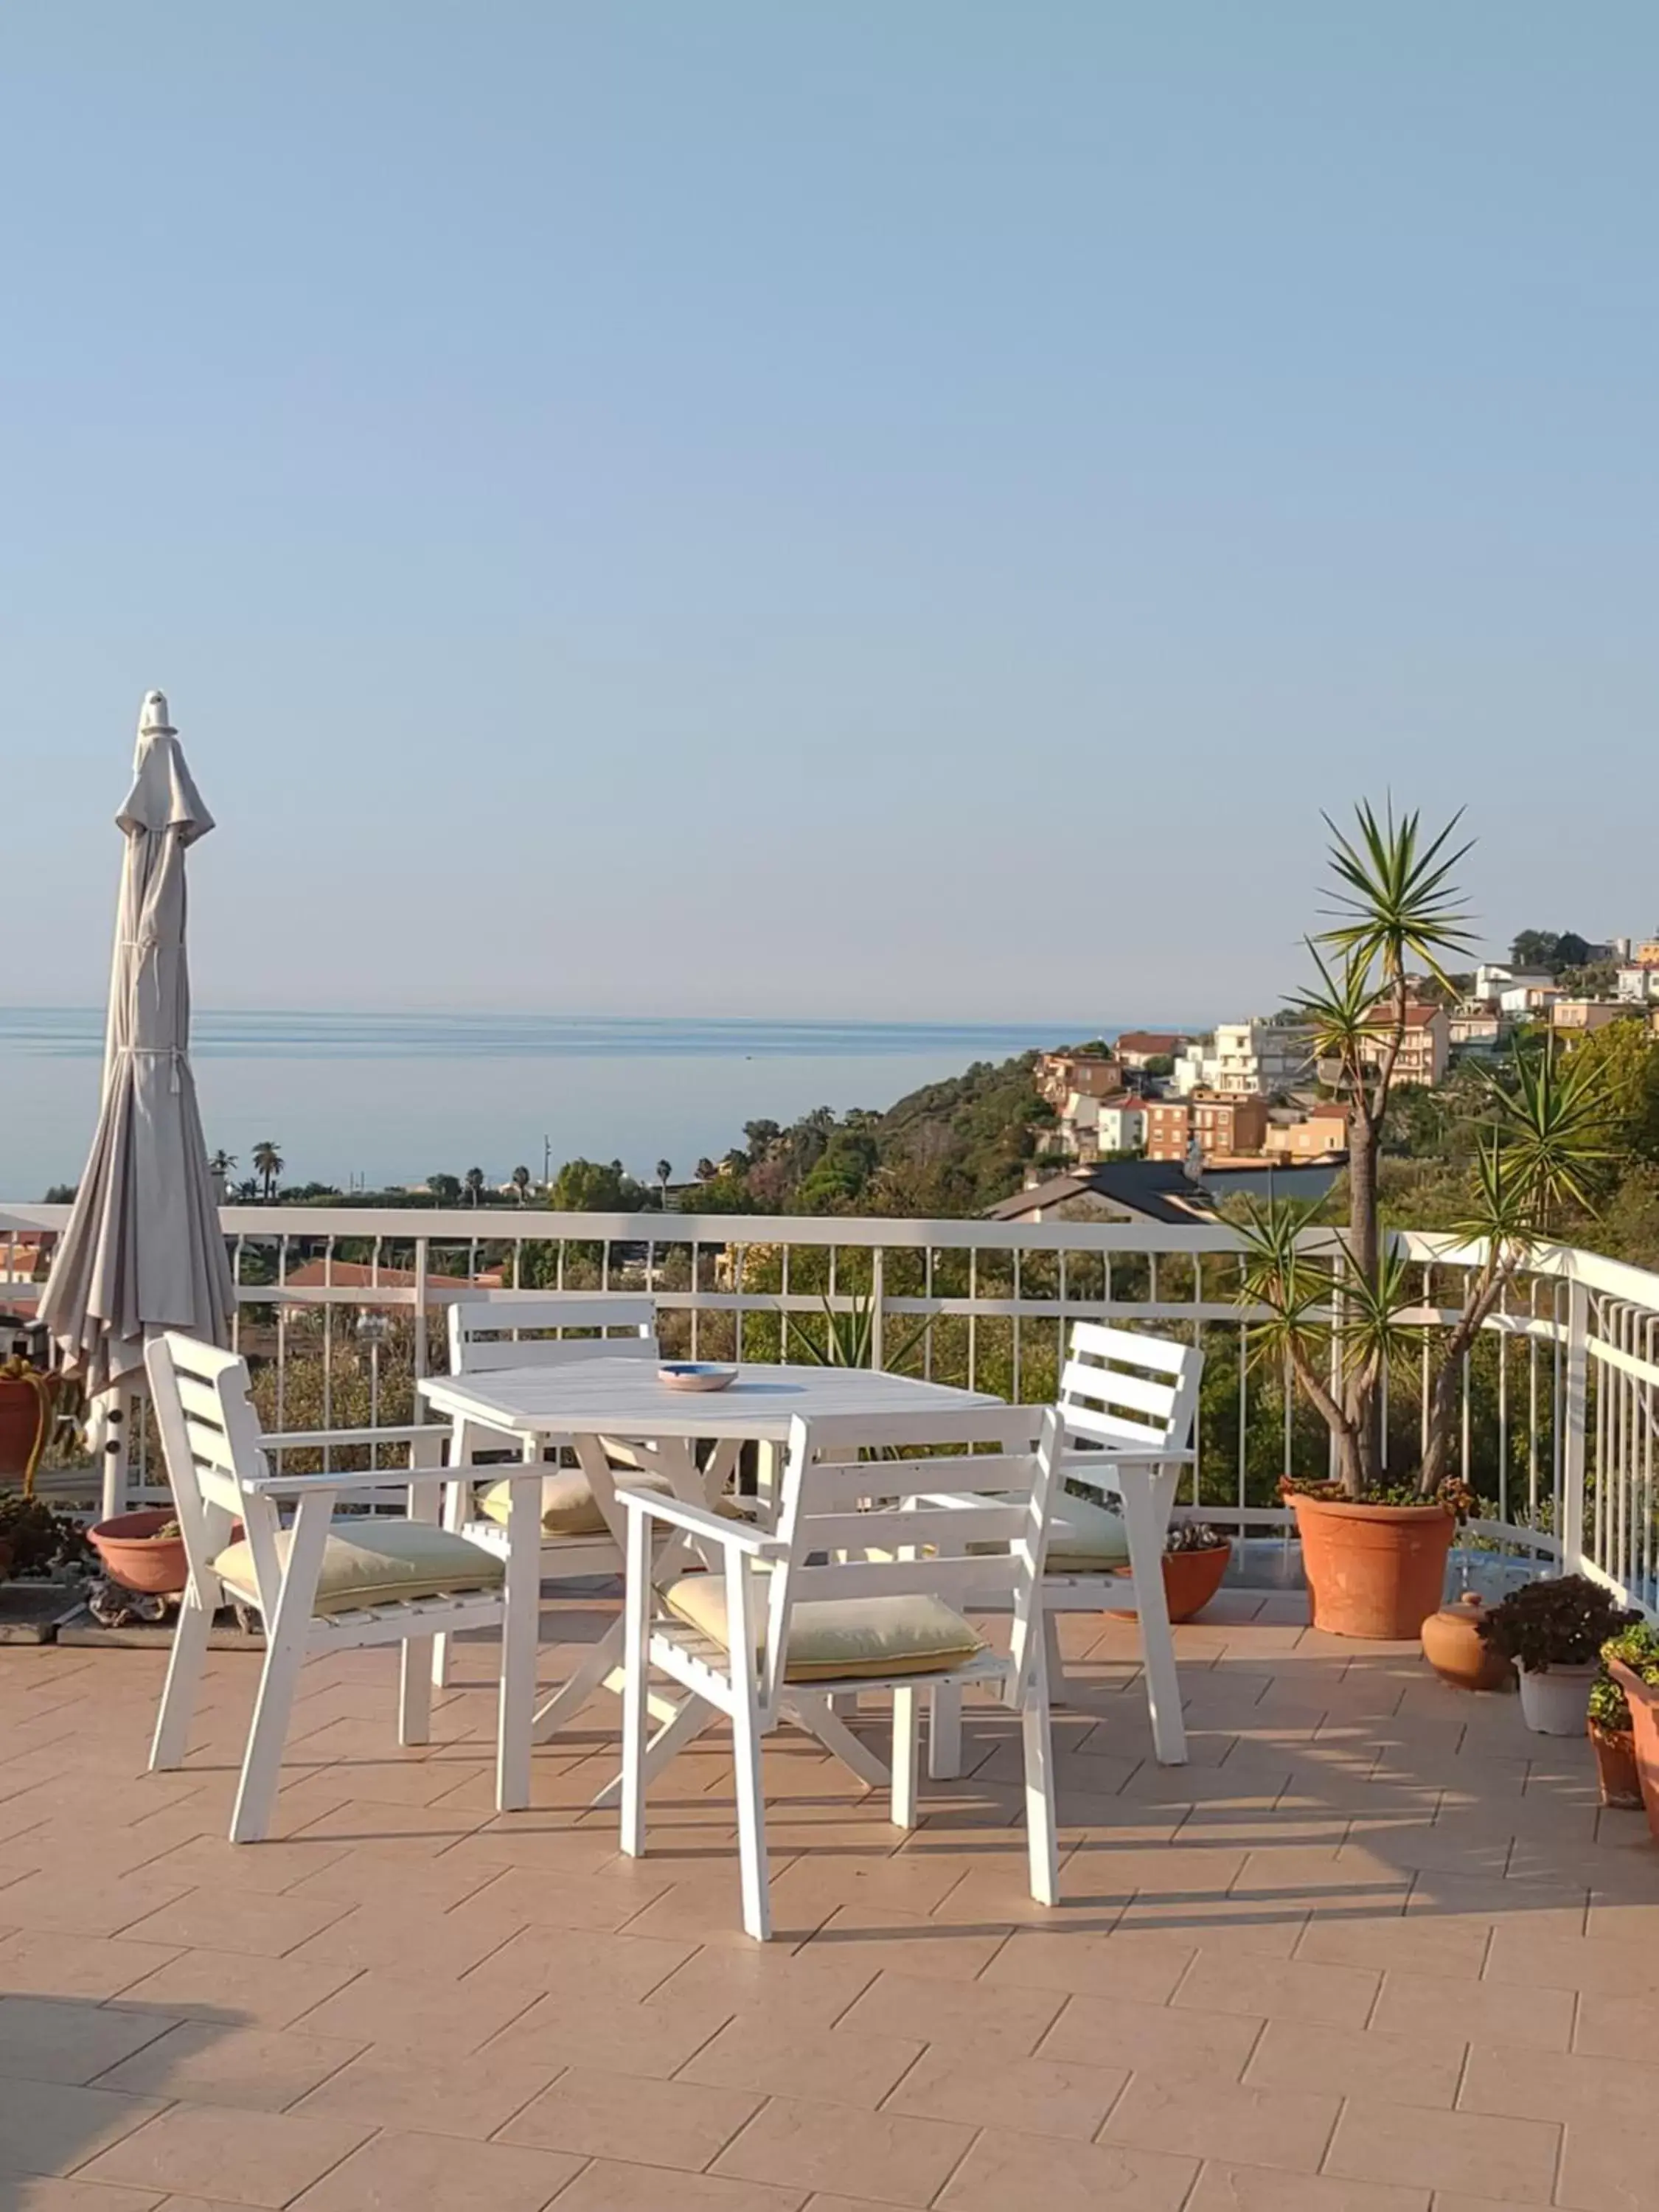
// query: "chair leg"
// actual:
[[945, 1734], [1140, 1525], [1054, 1657], [183, 1682], [752, 1821], [636, 1634], [288, 1632], [1040, 1827], [414, 1676], [520, 1641], [454, 1519], [907, 1745], [746, 1751]]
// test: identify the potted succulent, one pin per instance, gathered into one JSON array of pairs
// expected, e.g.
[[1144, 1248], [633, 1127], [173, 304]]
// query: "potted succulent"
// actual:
[[1632, 1662], [1195, 1559], [142, 1551], [36, 1541], [1332, 1305], [1554, 1629]]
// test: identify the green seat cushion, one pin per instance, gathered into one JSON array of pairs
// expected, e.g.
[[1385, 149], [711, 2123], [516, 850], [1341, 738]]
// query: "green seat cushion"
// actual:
[[834, 1639], [378, 1562], [568, 1505]]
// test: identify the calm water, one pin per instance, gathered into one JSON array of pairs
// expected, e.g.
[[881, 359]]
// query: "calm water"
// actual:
[[395, 1098]]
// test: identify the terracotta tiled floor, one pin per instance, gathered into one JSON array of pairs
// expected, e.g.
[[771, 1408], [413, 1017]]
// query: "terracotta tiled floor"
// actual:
[[1375, 1949]]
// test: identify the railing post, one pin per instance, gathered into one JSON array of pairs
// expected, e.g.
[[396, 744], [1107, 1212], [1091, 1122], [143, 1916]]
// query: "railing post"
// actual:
[[1575, 1399], [878, 1314], [422, 1262]]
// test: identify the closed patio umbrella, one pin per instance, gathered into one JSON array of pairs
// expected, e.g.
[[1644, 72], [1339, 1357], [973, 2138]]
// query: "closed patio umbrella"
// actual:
[[143, 1251]]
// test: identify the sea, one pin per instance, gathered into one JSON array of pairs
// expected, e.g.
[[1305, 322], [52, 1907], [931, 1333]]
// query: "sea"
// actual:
[[371, 1099]]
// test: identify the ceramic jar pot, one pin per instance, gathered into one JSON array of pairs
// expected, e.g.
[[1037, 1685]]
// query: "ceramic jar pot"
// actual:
[[1452, 1646]]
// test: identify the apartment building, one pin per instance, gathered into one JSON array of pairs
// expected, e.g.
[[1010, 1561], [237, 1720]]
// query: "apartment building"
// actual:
[[1318, 1135], [1426, 1046], [1135, 1047], [1255, 1059], [1583, 1017], [1225, 1128], [1059, 1075]]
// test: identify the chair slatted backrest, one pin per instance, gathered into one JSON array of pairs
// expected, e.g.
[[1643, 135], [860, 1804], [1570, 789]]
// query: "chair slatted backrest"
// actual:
[[210, 1439], [1129, 1393], [533, 1328], [862, 1526]]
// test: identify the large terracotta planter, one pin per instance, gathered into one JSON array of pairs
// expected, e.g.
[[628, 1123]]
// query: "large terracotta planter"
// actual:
[[1616, 1769], [1191, 1579], [134, 1556], [1643, 1699], [1373, 1570], [26, 1403]]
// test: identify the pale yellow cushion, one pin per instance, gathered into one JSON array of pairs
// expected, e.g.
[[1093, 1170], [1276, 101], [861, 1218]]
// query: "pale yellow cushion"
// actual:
[[568, 1505], [378, 1562], [836, 1638]]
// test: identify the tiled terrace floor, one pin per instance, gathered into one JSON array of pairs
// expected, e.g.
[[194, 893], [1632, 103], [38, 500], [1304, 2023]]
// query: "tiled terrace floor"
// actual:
[[1374, 1950]]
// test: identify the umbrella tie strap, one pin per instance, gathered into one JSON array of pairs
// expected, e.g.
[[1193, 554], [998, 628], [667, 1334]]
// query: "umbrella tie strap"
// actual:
[[171, 1052]]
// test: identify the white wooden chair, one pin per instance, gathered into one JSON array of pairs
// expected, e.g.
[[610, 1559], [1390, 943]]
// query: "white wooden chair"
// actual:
[[845, 1596], [1128, 1403], [367, 1580], [582, 1531]]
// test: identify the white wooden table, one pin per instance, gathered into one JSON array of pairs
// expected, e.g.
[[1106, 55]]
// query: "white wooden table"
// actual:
[[588, 1400]]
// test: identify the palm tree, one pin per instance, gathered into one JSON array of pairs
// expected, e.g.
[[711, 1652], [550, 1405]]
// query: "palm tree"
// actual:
[[268, 1165], [521, 1180], [474, 1180], [1337, 1321], [222, 1163], [445, 1188], [665, 1170]]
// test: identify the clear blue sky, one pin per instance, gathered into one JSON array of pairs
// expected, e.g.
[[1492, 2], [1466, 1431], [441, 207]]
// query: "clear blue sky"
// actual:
[[878, 506]]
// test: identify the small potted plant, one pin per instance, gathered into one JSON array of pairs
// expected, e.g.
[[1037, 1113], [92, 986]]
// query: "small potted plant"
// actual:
[[1195, 1559], [1632, 1662], [1611, 1736], [37, 1541], [1554, 1629]]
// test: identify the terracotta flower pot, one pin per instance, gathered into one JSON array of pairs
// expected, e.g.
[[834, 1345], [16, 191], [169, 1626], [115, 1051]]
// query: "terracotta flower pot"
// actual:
[[1191, 1579], [1615, 1767], [136, 1558], [26, 1403], [1373, 1570], [1643, 1699], [1452, 1646]]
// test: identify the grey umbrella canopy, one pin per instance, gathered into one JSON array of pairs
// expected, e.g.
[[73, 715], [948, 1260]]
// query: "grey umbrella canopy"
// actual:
[[143, 1251]]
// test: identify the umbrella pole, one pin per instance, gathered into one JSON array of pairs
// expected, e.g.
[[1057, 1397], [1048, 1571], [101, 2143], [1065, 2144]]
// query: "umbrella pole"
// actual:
[[111, 1429]]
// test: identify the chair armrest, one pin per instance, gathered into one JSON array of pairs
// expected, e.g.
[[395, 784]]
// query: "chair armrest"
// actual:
[[324, 1439], [697, 1521], [1108, 1455], [362, 1478]]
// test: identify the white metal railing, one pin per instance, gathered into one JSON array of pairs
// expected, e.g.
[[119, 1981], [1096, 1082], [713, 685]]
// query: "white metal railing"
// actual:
[[1558, 1406]]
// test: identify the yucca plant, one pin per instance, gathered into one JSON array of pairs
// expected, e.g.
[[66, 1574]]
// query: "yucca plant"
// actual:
[[1335, 1316], [849, 1335]]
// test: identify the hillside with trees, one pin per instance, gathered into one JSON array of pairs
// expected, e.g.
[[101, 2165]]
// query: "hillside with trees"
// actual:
[[949, 1149]]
